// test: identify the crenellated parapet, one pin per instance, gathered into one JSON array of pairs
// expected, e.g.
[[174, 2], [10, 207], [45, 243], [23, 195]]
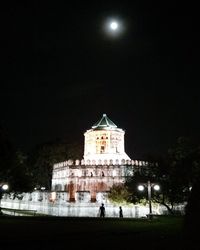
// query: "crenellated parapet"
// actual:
[[106, 162]]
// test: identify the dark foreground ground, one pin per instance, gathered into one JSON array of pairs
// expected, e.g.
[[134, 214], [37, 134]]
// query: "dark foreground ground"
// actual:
[[90, 233]]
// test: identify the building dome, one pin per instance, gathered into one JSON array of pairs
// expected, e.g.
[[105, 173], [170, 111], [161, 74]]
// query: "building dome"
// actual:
[[104, 123]]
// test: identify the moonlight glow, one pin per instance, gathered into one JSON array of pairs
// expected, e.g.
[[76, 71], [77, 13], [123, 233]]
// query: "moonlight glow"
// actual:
[[113, 27]]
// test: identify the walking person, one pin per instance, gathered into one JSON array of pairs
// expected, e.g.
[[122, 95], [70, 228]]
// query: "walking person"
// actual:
[[102, 210], [120, 212]]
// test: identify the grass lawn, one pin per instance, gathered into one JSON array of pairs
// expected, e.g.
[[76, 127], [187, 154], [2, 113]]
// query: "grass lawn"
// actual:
[[163, 232]]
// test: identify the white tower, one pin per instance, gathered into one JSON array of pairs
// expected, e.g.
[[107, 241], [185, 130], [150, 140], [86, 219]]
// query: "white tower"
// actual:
[[104, 141]]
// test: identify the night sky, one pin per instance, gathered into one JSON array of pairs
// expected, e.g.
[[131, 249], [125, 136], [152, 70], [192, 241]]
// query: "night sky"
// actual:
[[60, 71]]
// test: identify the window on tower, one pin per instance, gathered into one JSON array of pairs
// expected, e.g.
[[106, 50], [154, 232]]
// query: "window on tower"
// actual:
[[102, 149]]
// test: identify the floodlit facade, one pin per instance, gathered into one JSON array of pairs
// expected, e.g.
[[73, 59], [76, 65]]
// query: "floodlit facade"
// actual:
[[104, 164], [104, 141]]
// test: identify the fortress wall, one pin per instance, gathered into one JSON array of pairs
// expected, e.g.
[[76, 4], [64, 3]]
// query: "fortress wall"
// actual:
[[43, 203]]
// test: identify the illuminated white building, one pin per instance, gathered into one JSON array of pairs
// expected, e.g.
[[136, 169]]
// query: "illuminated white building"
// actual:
[[104, 164]]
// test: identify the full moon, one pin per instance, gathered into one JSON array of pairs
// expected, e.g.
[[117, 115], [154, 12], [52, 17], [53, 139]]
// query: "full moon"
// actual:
[[114, 25]]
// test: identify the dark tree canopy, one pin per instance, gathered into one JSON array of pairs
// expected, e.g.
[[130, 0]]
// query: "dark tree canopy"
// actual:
[[6, 155], [44, 156], [13, 166], [176, 173]]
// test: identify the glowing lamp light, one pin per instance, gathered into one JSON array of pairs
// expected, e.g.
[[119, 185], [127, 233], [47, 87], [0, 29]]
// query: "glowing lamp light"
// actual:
[[5, 187], [156, 187], [141, 188]]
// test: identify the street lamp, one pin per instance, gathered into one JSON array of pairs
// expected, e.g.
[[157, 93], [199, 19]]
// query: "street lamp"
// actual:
[[149, 186], [3, 187]]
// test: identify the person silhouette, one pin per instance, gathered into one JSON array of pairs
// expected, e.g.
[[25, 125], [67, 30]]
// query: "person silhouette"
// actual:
[[102, 210], [120, 212]]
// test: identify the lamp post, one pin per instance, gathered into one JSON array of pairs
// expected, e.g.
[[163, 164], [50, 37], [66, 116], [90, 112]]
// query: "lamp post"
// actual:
[[3, 187], [149, 187]]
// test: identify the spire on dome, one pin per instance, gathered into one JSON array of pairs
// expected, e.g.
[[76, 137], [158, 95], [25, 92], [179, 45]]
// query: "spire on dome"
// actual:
[[104, 122]]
